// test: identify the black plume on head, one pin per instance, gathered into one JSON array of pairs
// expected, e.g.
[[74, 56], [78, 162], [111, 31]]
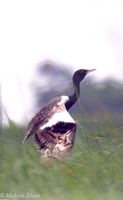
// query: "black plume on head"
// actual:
[[79, 75]]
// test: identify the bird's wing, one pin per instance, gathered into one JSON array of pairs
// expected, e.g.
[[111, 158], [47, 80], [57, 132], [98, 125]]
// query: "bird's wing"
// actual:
[[41, 118], [56, 139]]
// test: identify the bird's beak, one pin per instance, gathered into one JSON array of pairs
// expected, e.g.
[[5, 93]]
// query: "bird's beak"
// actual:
[[90, 70]]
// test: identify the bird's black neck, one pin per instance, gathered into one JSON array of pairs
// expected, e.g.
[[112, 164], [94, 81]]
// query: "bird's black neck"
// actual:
[[73, 98]]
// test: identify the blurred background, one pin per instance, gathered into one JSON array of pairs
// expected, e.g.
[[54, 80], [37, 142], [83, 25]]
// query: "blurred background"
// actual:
[[42, 43], [73, 34]]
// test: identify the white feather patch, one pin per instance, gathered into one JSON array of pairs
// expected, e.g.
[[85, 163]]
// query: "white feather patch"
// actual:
[[64, 99], [63, 116]]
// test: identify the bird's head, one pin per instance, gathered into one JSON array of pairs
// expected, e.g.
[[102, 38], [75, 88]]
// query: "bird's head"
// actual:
[[80, 74]]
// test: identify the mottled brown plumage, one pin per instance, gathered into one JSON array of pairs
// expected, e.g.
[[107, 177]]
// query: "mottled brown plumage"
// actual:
[[53, 127], [42, 117], [57, 141]]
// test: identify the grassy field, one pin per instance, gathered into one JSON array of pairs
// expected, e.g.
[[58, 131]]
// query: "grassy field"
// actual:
[[93, 172]]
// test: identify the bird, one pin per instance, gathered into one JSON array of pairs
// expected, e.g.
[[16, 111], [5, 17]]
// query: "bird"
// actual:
[[53, 127]]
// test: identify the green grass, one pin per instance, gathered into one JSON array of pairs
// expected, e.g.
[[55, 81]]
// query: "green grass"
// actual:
[[93, 172]]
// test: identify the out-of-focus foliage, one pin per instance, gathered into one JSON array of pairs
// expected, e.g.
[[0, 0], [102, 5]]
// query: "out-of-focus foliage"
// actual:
[[53, 81], [93, 171], [96, 96]]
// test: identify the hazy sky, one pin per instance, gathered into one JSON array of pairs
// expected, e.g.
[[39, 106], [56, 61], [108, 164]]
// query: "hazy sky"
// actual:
[[78, 33]]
